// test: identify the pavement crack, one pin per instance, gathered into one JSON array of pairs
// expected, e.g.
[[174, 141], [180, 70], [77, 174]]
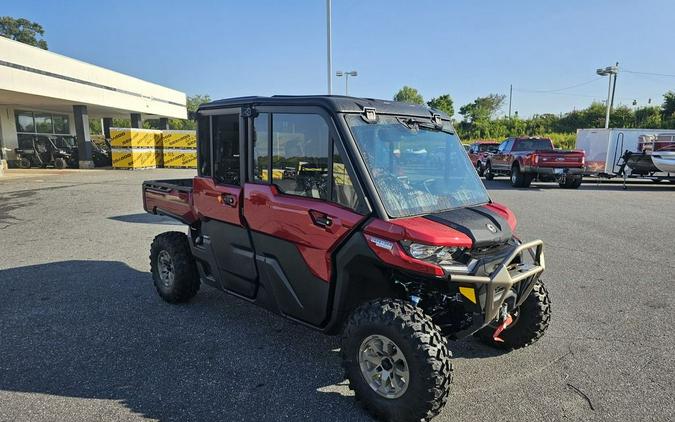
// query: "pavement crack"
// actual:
[[582, 394]]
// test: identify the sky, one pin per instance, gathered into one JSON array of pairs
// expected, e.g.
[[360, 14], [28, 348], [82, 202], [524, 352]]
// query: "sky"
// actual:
[[462, 48]]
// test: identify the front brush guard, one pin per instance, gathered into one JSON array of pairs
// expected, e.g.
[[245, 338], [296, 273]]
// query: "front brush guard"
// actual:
[[505, 276]]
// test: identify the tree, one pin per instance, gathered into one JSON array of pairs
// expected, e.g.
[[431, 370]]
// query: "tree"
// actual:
[[443, 103], [482, 109], [668, 107], [192, 104], [23, 30], [648, 117], [409, 95]]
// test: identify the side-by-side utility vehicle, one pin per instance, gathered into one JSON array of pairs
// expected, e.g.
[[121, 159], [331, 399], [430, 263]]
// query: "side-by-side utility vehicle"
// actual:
[[358, 217]]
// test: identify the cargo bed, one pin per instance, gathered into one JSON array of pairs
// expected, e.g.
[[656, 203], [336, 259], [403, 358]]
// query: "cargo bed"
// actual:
[[172, 197]]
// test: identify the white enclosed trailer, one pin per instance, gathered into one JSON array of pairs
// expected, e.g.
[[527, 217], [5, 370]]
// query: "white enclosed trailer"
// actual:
[[605, 147]]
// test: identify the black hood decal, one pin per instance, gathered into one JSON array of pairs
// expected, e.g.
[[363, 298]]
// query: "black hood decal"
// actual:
[[484, 226]]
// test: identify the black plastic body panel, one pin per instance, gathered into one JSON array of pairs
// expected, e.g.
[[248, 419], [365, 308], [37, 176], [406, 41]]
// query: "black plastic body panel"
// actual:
[[234, 257], [298, 293]]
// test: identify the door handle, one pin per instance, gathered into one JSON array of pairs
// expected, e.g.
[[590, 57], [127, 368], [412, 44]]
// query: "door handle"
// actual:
[[320, 219], [228, 200]]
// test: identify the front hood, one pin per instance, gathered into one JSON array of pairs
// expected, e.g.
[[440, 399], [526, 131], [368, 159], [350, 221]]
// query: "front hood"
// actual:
[[483, 225]]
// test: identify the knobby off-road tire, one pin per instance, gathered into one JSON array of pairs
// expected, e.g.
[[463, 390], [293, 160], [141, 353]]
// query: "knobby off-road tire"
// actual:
[[571, 182], [520, 179], [489, 175], [531, 323], [426, 360], [60, 163], [24, 163], [173, 267]]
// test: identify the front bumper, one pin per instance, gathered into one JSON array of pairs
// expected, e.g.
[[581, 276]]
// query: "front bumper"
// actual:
[[494, 289], [554, 171]]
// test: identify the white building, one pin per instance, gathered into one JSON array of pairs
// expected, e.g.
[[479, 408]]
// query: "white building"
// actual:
[[45, 92]]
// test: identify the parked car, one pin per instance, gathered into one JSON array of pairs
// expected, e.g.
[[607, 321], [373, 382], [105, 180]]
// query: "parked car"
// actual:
[[394, 255], [478, 153], [524, 159]]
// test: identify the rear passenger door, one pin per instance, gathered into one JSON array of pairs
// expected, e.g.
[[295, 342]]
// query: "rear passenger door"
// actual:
[[300, 202], [217, 198], [499, 159]]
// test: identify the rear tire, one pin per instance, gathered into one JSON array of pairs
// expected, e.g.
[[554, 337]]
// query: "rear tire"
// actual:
[[534, 316], [384, 339], [60, 163], [518, 178], [488, 172], [571, 182], [173, 267]]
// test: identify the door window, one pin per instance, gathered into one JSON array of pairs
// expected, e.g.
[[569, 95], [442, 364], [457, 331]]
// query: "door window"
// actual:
[[300, 154], [344, 192], [226, 164], [261, 144], [204, 145]]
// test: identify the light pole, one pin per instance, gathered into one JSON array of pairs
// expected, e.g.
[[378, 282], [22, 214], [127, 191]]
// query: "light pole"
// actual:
[[340, 73], [329, 42], [609, 71]]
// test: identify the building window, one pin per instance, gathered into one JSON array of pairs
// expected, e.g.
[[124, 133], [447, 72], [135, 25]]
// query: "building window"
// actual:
[[61, 124], [300, 154], [47, 123], [25, 122]]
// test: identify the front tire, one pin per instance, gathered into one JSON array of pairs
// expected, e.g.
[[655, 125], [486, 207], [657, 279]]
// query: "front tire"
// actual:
[[396, 360], [489, 175], [533, 318], [480, 169], [173, 267]]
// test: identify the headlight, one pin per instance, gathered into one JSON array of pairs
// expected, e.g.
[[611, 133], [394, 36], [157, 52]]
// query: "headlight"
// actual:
[[429, 252], [441, 255]]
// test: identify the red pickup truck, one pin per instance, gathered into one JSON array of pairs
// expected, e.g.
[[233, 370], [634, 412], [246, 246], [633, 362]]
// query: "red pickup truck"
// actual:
[[478, 153], [527, 158]]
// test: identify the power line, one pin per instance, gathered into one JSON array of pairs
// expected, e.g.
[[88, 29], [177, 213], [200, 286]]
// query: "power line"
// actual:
[[561, 89], [649, 73]]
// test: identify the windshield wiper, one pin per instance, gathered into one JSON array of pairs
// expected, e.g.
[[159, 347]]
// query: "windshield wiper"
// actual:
[[413, 124]]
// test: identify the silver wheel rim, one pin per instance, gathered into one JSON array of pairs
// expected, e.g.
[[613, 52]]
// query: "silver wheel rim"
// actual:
[[165, 268], [384, 366], [513, 177]]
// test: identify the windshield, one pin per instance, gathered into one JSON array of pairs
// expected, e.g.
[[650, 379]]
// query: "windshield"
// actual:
[[416, 169], [64, 141]]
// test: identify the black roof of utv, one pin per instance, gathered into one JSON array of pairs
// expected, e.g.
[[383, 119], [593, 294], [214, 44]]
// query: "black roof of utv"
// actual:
[[332, 103]]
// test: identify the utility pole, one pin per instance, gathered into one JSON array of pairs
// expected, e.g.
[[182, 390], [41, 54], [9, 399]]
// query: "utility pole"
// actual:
[[510, 97], [609, 71], [611, 104], [329, 48]]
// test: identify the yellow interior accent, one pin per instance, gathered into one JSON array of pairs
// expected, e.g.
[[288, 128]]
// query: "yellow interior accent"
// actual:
[[469, 293]]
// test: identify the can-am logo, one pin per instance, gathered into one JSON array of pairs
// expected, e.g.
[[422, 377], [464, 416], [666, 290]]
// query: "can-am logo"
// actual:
[[491, 227]]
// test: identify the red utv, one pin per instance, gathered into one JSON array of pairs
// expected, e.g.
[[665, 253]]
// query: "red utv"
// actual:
[[358, 217]]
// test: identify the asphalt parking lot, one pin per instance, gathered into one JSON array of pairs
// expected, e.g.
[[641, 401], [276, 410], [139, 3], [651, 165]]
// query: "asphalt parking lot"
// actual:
[[83, 336]]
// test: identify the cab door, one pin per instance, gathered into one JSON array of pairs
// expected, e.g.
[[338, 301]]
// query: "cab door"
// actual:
[[499, 159], [301, 202], [217, 196]]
